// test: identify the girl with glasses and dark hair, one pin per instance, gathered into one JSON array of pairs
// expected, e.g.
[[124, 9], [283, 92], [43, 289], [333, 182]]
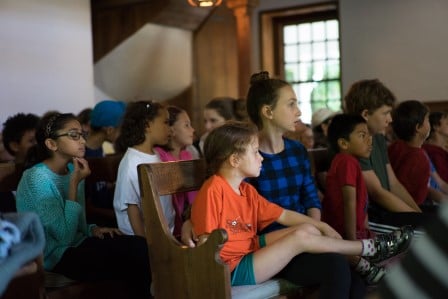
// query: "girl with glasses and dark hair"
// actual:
[[53, 188]]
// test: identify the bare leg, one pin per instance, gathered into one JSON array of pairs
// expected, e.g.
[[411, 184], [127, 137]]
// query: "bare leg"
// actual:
[[283, 245]]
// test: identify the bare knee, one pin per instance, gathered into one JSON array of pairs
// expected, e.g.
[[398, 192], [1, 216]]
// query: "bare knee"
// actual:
[[303, 232], [308, 228]]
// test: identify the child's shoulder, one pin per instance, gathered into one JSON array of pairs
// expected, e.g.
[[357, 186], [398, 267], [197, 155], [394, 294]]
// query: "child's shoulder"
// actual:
[[344, 160], [294, 145]]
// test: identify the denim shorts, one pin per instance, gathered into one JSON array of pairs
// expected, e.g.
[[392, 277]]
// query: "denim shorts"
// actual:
[[243, 274]]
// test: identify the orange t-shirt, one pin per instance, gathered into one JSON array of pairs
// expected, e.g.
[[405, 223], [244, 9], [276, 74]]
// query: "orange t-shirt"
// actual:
[[242, 216]]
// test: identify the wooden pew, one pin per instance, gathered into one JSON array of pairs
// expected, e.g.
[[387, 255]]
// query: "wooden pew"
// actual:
[[182, 272]]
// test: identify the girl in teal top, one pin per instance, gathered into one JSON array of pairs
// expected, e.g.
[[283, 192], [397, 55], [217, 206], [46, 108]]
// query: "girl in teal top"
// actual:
[[53, 187]]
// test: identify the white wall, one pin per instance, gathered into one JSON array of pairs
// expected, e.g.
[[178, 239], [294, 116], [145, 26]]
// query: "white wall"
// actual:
[[402, 42], [45, 56], [154, 63]]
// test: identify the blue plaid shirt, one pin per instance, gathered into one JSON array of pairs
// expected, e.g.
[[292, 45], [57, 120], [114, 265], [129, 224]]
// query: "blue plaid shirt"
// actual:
[[285, 179]]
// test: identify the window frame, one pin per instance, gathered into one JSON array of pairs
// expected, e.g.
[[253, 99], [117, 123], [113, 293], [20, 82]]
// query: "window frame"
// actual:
[[271, 39]]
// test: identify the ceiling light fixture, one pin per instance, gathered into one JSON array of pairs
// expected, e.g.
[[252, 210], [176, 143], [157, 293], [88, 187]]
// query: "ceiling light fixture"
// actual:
[[204, 3]]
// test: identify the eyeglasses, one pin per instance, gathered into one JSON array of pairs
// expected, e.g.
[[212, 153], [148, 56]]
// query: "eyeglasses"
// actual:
[[74, 135]]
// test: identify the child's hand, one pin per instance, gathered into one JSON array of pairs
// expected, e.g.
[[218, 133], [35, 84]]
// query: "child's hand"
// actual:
[[329, 231], [99, 232], [82, 169], [188, 236]]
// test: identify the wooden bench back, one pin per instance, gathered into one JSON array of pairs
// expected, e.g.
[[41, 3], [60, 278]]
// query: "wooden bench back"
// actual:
[[179, 271]]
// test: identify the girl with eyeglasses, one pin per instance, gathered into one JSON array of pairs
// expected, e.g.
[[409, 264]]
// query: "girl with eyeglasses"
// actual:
[[53, 188]]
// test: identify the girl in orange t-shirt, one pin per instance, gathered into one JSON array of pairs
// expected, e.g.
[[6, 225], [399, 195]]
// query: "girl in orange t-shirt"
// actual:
[[226, 201]]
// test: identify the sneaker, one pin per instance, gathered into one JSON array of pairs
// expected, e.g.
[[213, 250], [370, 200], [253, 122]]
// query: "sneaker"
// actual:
[[374, 275], [391, 244]]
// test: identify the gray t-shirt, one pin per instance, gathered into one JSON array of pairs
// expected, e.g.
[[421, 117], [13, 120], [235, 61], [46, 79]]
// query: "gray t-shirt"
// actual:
[[378, 160]]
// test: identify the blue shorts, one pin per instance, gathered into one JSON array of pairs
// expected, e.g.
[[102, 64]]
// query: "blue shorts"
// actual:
[[243, 274]]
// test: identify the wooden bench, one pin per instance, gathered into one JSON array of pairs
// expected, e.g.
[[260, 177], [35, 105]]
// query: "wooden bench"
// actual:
[[182, 272]]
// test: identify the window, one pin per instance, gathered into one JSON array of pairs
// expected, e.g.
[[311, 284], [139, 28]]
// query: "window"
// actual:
[[306, 54]]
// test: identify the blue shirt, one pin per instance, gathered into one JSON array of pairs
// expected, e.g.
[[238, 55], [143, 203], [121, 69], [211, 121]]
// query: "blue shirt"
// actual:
[[285, 179], [46, 193]]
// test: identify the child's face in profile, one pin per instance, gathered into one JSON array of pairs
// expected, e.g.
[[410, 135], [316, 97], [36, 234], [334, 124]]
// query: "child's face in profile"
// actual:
[[286, 113], [26, 142], [212, 119], [182, 133], [379, 119], [159, 128], [360, 142], [70, 140], [250, 161], [307, 138], [442, 128], [425, 128]]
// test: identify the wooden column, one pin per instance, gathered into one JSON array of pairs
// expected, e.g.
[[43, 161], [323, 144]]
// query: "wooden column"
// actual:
[[242, 10]]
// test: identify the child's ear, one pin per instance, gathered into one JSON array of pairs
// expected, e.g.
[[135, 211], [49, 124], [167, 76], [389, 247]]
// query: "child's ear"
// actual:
[[266, 111], [51, 144], [343, 143], [14, 146], [365, 114], [234, 160]]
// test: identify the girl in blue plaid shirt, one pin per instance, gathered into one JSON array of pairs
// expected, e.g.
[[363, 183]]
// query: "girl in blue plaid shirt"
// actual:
[[286, 180]]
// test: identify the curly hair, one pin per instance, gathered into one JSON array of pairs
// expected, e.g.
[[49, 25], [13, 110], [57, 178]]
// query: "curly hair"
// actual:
[[135, 121], [263, 90], [15, 127]]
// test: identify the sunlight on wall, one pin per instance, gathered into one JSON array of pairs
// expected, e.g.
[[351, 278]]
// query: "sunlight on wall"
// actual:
[[154, 63]]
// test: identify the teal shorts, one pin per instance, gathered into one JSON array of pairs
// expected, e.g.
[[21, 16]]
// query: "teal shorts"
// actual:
[[243, 274]]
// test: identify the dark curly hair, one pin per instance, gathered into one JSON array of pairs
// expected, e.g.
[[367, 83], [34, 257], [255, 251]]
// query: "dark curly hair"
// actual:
[[135, 121], [15, 127], [263, 91]]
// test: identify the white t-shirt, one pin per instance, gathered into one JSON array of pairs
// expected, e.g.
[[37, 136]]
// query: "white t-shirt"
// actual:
[[127, 190]]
